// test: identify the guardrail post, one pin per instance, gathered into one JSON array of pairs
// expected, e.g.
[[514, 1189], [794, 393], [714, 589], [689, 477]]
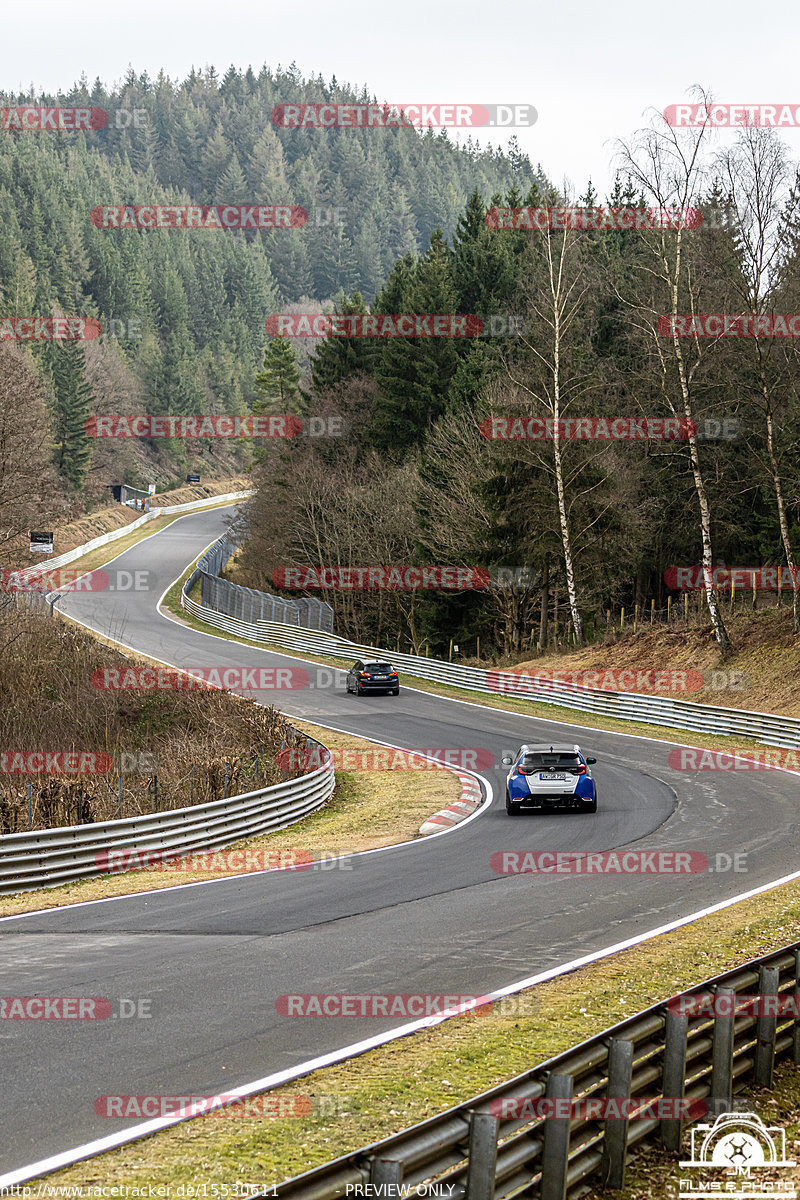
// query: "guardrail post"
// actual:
[[387, 1175], [766, 1027], [615, 1130], [722, 1055], [482, 1155], [555, 1148], [674, 1076], [796, 1030]]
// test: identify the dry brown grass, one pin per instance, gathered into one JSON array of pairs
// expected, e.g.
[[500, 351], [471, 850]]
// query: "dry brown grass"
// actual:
[[368, 809], [765, 651], [47, 673]]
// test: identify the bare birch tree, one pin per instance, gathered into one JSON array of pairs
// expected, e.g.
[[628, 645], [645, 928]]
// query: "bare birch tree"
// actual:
[[668, 167], [555, 297]]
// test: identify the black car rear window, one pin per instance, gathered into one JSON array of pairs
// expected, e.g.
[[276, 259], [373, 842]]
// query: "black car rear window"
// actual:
[[379, 668]]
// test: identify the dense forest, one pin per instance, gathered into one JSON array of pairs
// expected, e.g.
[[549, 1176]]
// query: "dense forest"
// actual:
[[184, 311], [575, 321]]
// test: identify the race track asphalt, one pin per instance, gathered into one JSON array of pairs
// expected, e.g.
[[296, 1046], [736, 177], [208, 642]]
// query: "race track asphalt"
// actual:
[[428, 917]]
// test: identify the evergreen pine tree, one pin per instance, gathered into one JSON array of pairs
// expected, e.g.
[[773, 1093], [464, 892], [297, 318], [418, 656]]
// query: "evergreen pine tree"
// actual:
[[337, 358], [73, 406], [278, 381]]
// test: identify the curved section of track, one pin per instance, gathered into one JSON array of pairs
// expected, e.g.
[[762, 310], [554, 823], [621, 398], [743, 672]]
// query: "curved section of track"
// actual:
[[430, 916]]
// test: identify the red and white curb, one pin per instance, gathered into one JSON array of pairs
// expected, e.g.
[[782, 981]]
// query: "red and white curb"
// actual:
[[471, 797]]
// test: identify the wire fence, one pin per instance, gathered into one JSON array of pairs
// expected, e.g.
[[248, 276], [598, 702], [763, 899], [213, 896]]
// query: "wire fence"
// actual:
[[249, 604]]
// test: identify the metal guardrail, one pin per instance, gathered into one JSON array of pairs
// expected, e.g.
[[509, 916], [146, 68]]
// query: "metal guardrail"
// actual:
[[48, 857], [767, 728], [658, 1053]]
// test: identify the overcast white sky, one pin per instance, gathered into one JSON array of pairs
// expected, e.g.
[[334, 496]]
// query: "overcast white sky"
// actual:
[[590, 69]]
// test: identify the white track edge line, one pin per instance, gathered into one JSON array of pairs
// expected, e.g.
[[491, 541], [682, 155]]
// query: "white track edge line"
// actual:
[[135, 1132], [90, 1149]]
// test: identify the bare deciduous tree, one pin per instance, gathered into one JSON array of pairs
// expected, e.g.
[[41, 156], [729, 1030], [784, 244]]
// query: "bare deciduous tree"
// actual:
[[548, 375], [668, 166], [758, 178]]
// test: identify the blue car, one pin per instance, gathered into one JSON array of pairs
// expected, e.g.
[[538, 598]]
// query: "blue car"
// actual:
[[550, 777]]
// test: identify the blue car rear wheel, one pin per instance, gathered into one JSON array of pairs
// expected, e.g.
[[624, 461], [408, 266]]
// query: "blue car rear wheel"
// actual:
[[512, 808]]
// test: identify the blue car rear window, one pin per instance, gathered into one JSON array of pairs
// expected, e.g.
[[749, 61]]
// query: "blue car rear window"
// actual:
[[562, 762]]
